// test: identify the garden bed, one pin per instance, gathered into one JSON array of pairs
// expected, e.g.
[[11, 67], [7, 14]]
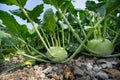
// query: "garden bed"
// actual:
[[81, 68], [51, 49]]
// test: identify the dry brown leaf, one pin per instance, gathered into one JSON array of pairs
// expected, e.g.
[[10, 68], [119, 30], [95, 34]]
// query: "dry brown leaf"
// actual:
[[68, 73], [114, 72]]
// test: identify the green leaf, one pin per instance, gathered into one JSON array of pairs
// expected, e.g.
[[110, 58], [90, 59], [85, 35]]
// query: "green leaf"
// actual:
[[1, 50], [34, 14], [107, 7], [104, 7], [11, 41], [102, 11], [68, 7], [112, 5], [1, 60], [7, 40], [56, 3], [9, 22], [13, 26], [84, 14], [19, 13], [36, 11], [9, 2], [91, 5], [3, 35], [102, 0], [50, 20], [14, 2], [24, 32]]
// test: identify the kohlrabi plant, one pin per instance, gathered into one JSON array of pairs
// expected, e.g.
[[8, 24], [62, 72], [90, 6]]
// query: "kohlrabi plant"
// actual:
[[51, 37], [100, 47], [55, 52], [103, 43]]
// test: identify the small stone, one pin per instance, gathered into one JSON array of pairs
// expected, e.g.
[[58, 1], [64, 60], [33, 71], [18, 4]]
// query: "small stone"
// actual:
[[48, 64], [42, 76], [77, 62], [114, 62], [89, 66], [78, 71], [101, 61], [48, 70], [84, 78], [95, 79], [103, 65], [90, 73], [96, 68], [109, 65], [36, 67], [102, 75], [55, 68]]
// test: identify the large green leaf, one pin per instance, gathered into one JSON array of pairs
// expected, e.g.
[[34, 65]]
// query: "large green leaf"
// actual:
[[10, 22], [14, 2], [50, 20], [34, 14], [104, 7], [112, 5], [9, 2], [91, 5], [10, 41], [7, 40], [97, 7], [108, 6], [68, 7], [19, 13], [3, 35], [12, 25], [36, 11], [24, 32], [56, 3]]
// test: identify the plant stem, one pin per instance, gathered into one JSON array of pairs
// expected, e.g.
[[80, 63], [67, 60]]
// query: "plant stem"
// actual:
[[79, 48], [53, 44], [99, 32], [45, 36], [38, 51], [69, 37], [14, 67], [80, 25], [114, 55], [77, 36], [63, 37], [71, 28], [58, 37], [33, 48], [104, 30], [40, 36], [115, 38], [55, 39], [29, 55], [38, 59]]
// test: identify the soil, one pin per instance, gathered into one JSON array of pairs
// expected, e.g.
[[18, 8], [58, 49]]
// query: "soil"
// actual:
[[81, 68]]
